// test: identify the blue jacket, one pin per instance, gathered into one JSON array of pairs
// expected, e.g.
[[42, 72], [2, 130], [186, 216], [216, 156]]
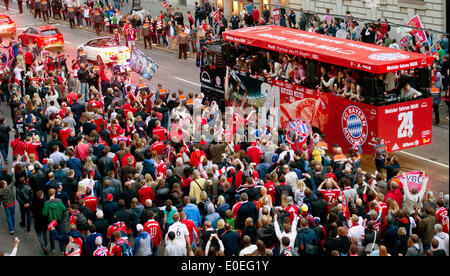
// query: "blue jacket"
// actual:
[[90, 242], [306, 236], [74, 164], [192, 213], [222, 208], [109, 210], [213, 218]]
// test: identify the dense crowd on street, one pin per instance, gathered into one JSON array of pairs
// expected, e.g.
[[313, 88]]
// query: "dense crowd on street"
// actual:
[[103, 166]]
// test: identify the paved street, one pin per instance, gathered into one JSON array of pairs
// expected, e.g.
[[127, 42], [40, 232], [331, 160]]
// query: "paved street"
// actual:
[[174, 74]]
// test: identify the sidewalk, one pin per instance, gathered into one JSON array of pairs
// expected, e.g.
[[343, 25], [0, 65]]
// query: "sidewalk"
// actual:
[[105, 33]]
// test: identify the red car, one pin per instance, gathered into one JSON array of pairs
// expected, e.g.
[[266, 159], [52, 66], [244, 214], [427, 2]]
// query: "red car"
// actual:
[[43, 36], [7, 25]]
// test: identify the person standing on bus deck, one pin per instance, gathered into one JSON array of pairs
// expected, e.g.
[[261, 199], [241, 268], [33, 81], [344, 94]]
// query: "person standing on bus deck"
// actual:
[[266, 14], [379, 154], [409, 93], [436, 94], [255, 15]]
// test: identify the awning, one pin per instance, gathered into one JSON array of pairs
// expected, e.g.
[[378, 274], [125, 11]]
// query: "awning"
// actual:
[[338, 51]]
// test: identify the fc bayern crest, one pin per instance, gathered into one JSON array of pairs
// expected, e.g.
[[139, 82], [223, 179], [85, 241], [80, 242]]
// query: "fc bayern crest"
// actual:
[[354, 125], [300, 127]]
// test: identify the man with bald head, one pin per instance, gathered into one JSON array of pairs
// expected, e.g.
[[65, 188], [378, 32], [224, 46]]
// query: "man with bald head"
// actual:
[[248, 249]]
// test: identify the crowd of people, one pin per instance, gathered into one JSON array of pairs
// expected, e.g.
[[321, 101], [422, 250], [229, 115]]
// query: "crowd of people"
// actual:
[[101, 166]]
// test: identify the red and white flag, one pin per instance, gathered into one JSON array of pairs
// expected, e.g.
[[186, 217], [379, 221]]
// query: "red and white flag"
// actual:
[[165, 5], [416, 23]]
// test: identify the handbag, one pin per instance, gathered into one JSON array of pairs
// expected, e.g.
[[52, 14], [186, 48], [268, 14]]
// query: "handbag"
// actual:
[[311, 250]]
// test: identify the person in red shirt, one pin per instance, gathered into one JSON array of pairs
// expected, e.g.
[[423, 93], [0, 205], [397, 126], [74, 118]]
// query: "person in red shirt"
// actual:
[[72, 97], [190, 225], [255, 15], [125, 157], [118, 241], [196, 156], [18, 146], [146, 192], [384, 208], [29, 60], [160, 131], [270, 186], [254, 152], [64, 134], [442, 215], [291, 209], [330, 195], [104, 81], [32, 143], [153, 228], [395, 194], [157, 146], [90, 201]]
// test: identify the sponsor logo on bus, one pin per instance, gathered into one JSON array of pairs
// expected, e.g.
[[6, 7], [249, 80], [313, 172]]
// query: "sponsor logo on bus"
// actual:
[[388, 56], [395, 147], [354, 125], [426, 133]]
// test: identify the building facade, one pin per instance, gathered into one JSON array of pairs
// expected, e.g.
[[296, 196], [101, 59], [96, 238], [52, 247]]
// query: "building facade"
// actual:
[[433, 13]]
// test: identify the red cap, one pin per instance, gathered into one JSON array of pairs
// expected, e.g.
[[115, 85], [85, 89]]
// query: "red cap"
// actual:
[[237, 148], [255, 175], [253, 144], [109, 197]]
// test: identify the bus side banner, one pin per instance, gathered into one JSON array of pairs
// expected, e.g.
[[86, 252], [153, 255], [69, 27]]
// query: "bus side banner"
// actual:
[[406, 125], [343, 121]]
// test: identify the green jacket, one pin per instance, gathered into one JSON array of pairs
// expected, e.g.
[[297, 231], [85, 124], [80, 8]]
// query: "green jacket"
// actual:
[[53, 209], [7, 196]]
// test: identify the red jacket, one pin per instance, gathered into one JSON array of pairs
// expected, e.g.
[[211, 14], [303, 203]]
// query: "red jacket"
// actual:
[[152, 227], [395, 195], [190, 225], [145, 193], [91, 203]]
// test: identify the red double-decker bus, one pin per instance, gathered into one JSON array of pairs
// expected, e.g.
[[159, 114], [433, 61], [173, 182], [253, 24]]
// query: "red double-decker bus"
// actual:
[[389, 89]]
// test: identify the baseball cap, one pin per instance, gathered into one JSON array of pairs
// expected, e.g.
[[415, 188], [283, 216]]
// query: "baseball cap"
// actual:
[[316, 220], [139, 227], [109, 197], [275, 158], [304, 208], [253, 144]]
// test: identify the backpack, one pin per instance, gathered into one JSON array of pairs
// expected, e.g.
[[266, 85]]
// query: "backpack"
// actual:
[[125, 249], [82, 222]]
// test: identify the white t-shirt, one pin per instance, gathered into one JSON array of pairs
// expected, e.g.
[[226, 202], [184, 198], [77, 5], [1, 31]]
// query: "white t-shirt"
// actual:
[[248, 250], [358, 232], [180, 231]]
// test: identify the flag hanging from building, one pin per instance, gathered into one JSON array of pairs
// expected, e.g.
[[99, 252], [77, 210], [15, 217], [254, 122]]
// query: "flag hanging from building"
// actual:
[[165, 4], [416, 23]]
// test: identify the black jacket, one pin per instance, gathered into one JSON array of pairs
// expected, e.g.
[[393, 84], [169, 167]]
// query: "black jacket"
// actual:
[[24, 194], [267, 235], [125, 215], [245, 211], [231, 242], [40, 222]]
